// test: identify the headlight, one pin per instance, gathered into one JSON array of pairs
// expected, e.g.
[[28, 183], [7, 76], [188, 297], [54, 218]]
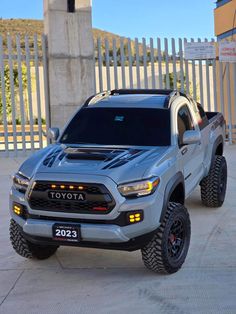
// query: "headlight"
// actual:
[[139, 188], [20, 182]]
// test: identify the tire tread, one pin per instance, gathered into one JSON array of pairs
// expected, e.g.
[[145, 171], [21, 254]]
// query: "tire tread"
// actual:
[[26, 248], [210, 184], [152, 253]]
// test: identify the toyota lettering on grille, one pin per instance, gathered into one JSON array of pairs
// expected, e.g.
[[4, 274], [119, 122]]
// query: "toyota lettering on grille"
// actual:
[[67, 196]]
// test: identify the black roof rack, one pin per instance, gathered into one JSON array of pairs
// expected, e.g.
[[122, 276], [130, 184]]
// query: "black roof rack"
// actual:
[[170, 93], [141, 91]]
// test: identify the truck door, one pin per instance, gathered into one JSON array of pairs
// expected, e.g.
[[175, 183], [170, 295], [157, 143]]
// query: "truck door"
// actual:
[[191, 156]]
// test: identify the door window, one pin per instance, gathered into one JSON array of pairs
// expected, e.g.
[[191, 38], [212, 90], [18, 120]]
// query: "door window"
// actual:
[[185, 123]]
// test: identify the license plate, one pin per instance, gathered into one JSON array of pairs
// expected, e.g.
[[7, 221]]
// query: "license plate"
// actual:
[[68, 233], [66, 196]]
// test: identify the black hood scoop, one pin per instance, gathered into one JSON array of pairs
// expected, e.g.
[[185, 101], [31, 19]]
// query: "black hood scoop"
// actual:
[[112, 158], [92, 153]]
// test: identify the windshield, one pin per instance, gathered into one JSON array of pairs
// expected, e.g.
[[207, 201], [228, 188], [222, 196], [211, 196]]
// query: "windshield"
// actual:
[[119, 126]]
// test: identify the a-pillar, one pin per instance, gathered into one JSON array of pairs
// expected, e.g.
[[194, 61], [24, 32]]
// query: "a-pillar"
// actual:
[[68, 27]]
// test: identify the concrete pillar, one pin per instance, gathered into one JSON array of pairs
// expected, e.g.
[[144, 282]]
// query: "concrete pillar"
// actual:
[[70, 56]]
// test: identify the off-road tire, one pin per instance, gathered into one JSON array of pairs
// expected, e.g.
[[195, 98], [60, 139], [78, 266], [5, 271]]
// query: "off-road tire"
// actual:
[[156, 254], [27, 249], [213, 186]]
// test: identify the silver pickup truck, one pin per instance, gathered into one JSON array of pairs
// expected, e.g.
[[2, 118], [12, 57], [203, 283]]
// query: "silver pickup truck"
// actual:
[[117, 178]]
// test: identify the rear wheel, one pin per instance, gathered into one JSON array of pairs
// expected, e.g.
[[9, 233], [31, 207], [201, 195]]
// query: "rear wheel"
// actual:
[[213, 186], [167, 250], [27, 249]]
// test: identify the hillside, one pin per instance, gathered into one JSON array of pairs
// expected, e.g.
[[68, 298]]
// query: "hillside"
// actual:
[[24, 27], [21, 27]]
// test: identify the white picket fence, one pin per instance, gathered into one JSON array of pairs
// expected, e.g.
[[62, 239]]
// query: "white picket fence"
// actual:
[[119, 63]]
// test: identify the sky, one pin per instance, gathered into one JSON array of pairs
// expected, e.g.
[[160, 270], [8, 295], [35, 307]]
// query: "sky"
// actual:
[[135, 18]]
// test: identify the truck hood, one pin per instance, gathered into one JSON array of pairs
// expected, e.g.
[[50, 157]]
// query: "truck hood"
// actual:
[[120, 164]]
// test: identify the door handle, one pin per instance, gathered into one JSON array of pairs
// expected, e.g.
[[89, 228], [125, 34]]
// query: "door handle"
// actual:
[[184, 150]]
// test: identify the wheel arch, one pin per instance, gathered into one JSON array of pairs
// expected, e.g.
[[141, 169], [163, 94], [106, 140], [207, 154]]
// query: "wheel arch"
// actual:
[[218, 147], [174, 191]]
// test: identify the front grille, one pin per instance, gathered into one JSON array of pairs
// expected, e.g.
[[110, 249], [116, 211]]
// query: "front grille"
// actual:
[[39, 186], [97, 198]]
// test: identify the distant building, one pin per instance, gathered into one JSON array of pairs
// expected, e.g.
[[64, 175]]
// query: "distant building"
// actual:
[[225, 19], [225, 29]]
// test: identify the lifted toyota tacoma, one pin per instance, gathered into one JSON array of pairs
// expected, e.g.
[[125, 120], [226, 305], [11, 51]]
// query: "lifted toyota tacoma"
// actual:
[[117, 178]]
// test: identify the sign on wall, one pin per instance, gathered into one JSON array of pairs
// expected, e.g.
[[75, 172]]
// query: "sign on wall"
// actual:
[[199, 50], [227, 51]]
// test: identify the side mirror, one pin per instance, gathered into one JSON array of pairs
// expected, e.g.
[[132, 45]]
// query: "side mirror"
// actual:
[[53, 134], [191, 137]]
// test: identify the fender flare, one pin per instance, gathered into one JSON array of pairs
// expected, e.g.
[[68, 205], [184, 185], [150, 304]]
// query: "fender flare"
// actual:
[[171, 185], [219, 140]]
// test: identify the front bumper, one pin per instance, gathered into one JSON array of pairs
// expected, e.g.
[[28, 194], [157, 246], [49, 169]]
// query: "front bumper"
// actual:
[[131, 245], [89, 232], [96, 230]]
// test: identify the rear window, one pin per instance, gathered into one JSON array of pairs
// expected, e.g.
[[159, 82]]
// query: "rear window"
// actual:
[[119, 126], [203, 120]]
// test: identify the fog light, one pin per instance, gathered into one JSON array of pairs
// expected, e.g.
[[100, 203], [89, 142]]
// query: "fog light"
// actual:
[[135, 216], [18, 209]]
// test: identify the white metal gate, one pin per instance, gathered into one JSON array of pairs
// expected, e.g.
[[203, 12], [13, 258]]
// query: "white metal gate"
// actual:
[[24, 104], [119, 63]]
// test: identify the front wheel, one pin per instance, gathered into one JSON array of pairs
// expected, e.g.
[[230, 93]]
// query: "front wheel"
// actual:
[[213, 186], [167, 250], [27, 249]]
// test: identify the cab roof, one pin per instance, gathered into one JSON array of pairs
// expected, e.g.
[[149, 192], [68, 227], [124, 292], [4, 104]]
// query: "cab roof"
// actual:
[[137, 98], [129, 101]]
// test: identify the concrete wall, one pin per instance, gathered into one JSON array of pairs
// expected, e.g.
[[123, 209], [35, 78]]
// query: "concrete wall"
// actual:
[[70, 57]]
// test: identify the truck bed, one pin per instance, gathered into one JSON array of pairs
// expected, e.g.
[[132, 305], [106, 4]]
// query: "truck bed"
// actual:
[[210, 115]]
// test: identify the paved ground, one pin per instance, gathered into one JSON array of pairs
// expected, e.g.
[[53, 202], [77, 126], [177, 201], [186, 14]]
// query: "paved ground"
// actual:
[[98, 281]]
